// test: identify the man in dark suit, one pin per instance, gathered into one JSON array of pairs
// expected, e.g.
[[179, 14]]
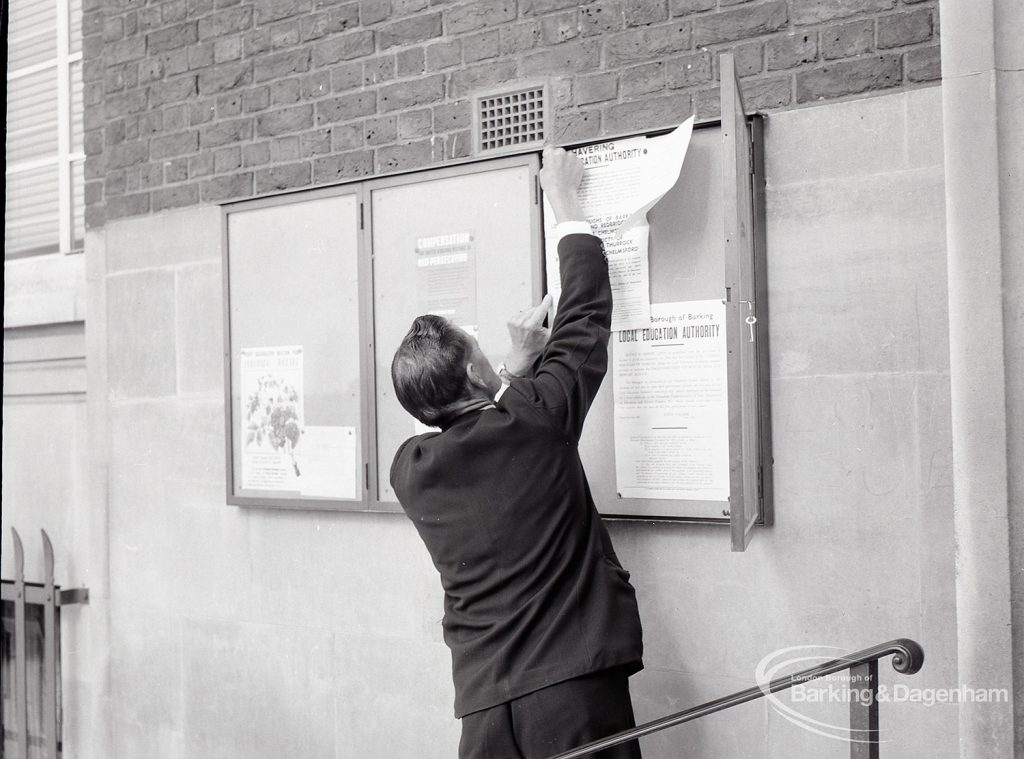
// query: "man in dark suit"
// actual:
[[540, 617]]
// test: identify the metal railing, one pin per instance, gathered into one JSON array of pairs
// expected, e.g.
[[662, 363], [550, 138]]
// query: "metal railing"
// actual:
[[907, 658], [50, 597]]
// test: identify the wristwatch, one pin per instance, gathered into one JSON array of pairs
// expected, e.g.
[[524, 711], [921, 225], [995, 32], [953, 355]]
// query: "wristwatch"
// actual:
[[505, 374]]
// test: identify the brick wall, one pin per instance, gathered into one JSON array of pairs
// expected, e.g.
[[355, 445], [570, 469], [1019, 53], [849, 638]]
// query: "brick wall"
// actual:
[[202, 101]]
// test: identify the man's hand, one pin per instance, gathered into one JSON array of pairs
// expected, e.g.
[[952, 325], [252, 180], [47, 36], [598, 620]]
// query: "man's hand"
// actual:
[[560, 177], [529, 336]]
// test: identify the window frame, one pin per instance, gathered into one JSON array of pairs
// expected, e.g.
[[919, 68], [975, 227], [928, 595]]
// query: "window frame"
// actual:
[[68, 242]]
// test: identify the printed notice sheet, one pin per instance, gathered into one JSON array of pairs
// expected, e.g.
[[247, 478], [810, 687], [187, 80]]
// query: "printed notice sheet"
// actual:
[[280, 452], [622, 181], [272, 413], [446, 276], [325, 462], [671, 404]]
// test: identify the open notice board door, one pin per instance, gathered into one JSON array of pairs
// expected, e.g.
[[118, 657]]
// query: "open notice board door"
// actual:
[[744, 320]]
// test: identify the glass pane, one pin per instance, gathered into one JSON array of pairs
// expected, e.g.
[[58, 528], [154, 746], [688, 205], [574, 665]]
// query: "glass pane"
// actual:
[[32, 116], [78, 204], [77, 109], [76, 26], [444, 246], [32, 36], [31, 226], [295, 369]]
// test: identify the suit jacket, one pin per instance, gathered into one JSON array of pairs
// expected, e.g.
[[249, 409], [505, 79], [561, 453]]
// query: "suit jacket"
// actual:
[[534, 594]]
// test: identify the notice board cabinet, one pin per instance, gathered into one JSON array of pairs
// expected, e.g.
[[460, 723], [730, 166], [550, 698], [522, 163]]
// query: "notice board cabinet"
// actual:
[[320, 287], [706, 246]]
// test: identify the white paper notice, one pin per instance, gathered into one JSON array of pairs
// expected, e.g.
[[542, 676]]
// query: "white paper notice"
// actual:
[[272, 414], [671, 404], [446, 276], [622, 181], [664, 161], [326, 462]]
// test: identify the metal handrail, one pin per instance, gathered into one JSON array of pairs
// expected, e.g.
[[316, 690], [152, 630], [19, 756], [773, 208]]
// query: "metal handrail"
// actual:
[[907, 659]]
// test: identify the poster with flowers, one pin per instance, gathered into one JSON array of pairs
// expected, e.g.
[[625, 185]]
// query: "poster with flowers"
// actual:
[[272, 417]]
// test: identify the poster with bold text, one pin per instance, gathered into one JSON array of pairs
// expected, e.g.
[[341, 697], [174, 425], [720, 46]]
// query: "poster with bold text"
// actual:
[[272, 417], [670, 386], [446, 277], [613, 177]]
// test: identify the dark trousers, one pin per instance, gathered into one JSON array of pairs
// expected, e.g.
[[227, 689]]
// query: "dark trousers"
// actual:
[[554, 719]]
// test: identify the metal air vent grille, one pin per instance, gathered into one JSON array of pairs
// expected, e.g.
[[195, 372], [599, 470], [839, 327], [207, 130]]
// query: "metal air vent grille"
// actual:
[[510, 120]]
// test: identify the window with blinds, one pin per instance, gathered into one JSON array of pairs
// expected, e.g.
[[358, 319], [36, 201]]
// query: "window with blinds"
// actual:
[[45, 189]]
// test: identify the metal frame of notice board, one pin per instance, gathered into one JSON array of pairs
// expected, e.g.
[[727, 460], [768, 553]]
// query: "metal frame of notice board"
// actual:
[[237, 494], [745, 293], [493, 267]]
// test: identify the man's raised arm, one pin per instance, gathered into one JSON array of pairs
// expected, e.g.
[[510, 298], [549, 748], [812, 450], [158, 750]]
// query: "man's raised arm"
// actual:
[[575, 358]]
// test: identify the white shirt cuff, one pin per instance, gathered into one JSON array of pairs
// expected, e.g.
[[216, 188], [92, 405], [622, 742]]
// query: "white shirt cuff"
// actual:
[[572, 228], [501, 391]]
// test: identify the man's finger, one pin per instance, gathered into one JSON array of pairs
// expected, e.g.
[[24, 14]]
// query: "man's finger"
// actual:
[[546, 304], [536, 314]]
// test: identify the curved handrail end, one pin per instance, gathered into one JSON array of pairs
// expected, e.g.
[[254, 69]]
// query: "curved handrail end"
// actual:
[[909, 656]]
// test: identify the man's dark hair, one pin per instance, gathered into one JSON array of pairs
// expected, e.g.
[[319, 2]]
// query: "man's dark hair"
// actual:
[[429, 368]]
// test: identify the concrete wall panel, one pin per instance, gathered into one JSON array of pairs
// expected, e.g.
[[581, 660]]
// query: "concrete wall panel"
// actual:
[[414, 719], [166, 239], [146, 683], [44, 490], [738, 732], [141, 334], [850, 289], [200, 325], [257, 690]]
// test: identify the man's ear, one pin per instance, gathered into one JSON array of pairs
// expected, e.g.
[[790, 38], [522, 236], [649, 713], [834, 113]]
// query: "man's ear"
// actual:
[[474, 376]]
